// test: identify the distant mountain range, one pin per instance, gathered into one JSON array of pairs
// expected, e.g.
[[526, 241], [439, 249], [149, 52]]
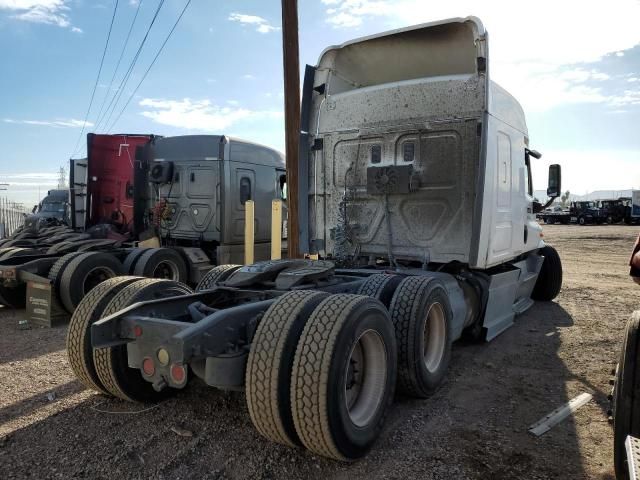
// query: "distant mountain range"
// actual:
[[595, 195]]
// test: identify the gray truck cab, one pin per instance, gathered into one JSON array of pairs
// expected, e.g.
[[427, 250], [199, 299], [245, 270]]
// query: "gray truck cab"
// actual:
[[203, 183], [54, 206]]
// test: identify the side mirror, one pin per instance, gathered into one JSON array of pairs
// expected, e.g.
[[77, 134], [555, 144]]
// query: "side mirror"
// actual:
[[555, 181], [33, 210]]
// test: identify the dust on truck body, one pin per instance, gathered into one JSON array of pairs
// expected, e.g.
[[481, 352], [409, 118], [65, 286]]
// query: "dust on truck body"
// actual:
[[418, 202]]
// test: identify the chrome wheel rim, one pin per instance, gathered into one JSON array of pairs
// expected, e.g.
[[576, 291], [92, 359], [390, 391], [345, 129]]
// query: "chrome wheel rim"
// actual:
[[365, 377]]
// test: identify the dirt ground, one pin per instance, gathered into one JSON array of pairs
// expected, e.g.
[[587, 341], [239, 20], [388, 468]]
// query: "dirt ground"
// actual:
[[474, 427]]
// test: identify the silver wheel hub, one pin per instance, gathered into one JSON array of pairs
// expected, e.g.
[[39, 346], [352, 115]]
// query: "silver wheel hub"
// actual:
[[434, 337], [166, 269], [365, 379], [96, 276]]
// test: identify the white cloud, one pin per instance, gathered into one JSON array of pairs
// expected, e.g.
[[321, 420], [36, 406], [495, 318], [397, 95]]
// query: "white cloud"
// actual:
[[76, 30], [621, 170], [262, 24], [61, 123], [628, 97], [532, 60], [51, 12], [248, 76], [199, 114], [29, 176]]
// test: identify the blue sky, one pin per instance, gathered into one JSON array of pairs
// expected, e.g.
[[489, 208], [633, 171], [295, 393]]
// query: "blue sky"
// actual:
[[574, 65]]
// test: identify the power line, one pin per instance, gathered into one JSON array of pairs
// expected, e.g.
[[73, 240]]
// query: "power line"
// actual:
[[93, 93], [150, 65], [125, 79], [115, 71]]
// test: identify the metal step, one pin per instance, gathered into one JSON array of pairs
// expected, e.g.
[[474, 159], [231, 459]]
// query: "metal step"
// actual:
[[632, 445]]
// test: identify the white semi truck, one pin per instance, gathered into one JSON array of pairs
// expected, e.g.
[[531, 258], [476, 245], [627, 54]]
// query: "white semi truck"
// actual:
[[416, 200]]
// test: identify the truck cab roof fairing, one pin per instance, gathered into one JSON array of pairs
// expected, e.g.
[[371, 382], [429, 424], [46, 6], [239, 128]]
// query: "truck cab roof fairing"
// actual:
[[443, 48]]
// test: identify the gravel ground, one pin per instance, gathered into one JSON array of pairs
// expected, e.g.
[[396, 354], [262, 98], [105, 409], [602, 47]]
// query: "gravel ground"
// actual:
[[474, 427]]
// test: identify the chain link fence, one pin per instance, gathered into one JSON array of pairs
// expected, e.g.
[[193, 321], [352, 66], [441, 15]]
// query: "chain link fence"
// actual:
[[11, 216]]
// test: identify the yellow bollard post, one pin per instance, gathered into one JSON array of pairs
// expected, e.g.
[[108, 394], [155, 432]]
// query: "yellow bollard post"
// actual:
[[249, 226], [276, 229]]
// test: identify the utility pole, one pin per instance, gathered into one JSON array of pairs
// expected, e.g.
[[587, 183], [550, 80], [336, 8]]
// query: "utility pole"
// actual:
[[291, 65]]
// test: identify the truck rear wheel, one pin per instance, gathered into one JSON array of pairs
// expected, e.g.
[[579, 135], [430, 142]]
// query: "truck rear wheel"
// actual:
[[163, 263], [14, 297], [343, 376], [549, 280], [421, 314], [89, 311], [626, 396], [17, 252], [268, 377], [55, 274], [215, 275], [132, 258], [380, 286], [83, 273], [112, 364]]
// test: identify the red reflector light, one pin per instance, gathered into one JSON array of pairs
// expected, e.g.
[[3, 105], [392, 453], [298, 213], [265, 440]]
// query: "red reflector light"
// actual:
[[137, 331], [148, 367], [178, 373]]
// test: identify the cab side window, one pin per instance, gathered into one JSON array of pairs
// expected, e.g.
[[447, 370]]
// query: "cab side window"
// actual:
[[282, 187], [245, 190]]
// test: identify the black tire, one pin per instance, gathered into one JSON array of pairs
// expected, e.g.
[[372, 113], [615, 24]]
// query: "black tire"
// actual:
[[13, 297], [582, 221], [19, 243], [163, 263], [85, 272], [268, 376], [11, 243], [549, 280], [380, 286], [215, 275], [78, 342], [626, 397], [421, 314], [55, 274], [17, 252], [112, 365], [62, 247], [132, 258], [341, 330]]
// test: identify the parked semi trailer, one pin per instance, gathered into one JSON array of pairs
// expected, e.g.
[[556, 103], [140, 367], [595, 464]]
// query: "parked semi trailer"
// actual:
[[420, 215], [184, 195], [555, 215]]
